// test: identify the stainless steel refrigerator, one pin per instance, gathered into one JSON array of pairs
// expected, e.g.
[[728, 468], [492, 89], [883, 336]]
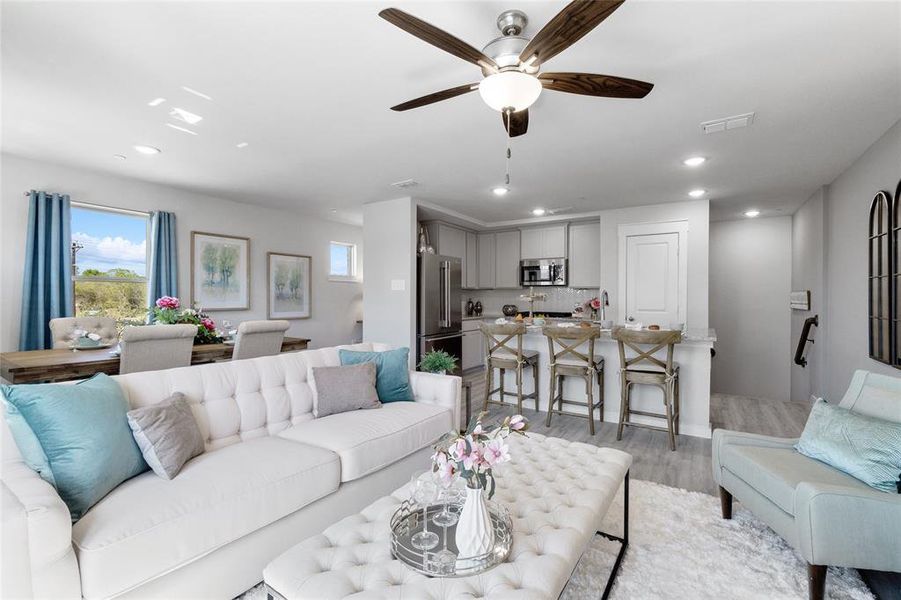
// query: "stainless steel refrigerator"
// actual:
[[439, 307]]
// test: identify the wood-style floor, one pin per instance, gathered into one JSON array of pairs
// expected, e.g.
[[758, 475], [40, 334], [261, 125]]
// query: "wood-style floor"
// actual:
[[689, 467]]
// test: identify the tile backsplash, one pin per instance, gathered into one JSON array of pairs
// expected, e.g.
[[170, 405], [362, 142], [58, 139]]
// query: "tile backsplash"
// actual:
[[558, 299]]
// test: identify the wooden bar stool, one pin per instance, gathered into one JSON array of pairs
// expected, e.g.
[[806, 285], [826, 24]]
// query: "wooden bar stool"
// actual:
[[501, 355], [664, 374], [568, 360]]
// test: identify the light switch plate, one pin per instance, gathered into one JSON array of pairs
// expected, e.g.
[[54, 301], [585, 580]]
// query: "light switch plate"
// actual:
[[398, 285]]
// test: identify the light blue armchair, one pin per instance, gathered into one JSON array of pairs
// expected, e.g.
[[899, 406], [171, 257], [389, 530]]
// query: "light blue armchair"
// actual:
[[831, 518]]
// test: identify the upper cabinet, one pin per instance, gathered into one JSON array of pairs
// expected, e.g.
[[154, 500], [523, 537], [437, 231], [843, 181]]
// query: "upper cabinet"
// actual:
[[507, 247], [486, 254], [544, 242], [471, 262], [451, 241], [584, 255]]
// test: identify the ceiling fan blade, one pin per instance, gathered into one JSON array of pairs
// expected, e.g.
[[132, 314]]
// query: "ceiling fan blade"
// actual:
[[589, 84], [436, 37], [578, 18], [519, 122], [436, 97]]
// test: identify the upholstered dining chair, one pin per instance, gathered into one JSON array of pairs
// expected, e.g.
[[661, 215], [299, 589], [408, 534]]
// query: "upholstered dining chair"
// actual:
[[259, 338], [61, 329], [156, 347]]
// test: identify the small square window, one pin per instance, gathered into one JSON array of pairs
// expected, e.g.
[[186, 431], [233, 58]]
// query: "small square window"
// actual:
[[342, 261]]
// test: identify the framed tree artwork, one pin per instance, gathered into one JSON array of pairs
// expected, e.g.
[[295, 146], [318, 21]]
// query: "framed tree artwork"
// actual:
[[220, 271], [288, 286]]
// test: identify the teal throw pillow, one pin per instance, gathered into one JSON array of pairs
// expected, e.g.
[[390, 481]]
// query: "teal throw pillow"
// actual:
[[84, 434], [864, 447], [29, 446], [392, 372]]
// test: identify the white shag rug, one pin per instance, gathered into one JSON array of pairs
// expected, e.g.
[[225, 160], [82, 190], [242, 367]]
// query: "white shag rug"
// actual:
[[679, 547]]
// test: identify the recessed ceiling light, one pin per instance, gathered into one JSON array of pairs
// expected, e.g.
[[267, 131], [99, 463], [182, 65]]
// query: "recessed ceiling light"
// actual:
[[538, 212], [120, 156], [500, 190], [147, 149], [185, 115], [195, 92], [181, 128], [697, 193], [694, 161], [156, 102], [752, 213], [241, 145]]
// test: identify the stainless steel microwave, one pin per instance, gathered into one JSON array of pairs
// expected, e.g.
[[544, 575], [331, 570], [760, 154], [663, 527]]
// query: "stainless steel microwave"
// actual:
[[545, 271]]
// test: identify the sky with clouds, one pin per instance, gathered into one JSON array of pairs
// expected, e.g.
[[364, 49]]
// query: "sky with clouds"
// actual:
[[110, 240]]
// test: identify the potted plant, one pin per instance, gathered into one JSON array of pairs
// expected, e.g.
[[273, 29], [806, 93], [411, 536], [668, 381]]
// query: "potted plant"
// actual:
[[438, 361], [167, 311]]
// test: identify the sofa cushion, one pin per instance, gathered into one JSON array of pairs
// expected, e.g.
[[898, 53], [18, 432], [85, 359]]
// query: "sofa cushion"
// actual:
[[369, 440], [149, 525], [776, 472]]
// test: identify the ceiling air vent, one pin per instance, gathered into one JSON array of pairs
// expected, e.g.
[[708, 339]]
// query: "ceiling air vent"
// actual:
[[406, 183], [727, 123]]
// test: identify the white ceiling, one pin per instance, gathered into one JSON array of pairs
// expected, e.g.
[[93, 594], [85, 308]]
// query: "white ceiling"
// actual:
[[309, 85]]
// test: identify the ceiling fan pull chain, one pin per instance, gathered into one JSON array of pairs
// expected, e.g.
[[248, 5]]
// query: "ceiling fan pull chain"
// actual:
[[509, 114]]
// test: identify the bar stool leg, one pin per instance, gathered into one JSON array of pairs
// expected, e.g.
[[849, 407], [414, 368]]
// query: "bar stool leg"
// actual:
[[667, 400], [489, 381], [601, 394], [623, 405], [678, 413], [550, 396], [519, 388], [503, 395], [589, 390], [535, 387]]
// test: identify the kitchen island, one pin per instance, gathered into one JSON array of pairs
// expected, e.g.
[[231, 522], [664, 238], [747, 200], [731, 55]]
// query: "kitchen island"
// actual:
[[693, 356]]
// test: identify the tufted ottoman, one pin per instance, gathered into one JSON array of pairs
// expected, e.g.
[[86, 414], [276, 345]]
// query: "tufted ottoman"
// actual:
[[557, 492]]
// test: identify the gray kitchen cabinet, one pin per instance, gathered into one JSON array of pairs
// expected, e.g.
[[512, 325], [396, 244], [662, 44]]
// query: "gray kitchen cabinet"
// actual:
[[447, 240], [585, 255], [507, 250], [543, 242], [487, 264], [473, 345], [471, 262]]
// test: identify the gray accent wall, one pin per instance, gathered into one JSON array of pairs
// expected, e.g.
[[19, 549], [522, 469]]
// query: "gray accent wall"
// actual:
[[750, 280], [336, 306]]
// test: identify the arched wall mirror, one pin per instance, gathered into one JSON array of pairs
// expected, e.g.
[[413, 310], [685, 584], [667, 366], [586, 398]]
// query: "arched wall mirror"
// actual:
[[882, 241]]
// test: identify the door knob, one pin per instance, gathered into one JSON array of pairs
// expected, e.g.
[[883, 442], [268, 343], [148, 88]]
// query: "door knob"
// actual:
[[630, 319]]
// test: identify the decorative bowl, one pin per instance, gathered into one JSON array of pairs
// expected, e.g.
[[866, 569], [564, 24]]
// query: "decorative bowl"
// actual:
[[510, 310]]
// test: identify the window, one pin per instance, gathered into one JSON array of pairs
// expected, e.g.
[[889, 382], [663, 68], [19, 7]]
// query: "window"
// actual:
[[880, 241], [342, 261], [109, 263]]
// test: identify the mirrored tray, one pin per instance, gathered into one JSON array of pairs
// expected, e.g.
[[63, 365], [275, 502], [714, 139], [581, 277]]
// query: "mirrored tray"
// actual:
[[407, 520]]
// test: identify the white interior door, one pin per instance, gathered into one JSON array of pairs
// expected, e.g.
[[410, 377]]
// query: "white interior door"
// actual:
[[652, 273]]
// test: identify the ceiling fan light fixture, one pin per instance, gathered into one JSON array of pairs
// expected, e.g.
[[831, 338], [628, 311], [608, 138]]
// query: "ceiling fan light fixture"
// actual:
[[510, 90]]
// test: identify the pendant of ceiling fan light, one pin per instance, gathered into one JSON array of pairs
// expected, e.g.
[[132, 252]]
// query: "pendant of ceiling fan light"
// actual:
[[512, 90]]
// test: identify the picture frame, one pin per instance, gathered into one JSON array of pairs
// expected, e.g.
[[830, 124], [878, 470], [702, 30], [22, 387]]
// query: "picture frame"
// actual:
[[220, 271], [288, 286]]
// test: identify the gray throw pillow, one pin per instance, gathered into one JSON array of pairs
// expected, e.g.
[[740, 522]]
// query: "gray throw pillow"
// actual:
[[167, 434], [342, 389]]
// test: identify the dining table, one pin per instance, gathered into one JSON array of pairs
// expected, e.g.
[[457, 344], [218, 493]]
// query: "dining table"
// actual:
[[65, 364]]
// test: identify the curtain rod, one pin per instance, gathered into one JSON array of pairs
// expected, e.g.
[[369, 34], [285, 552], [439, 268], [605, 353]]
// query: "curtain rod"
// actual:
[[125, 211]]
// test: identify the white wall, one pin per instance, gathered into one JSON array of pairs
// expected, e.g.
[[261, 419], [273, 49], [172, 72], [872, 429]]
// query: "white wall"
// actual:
[[807, 274], [389, 234], [697, 213], [847, 204], [750, 279], [335, 306]]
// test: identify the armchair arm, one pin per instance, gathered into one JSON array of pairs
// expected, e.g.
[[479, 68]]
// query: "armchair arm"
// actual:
[[848, 526], [443, 390], [725, 437], [37, 530]]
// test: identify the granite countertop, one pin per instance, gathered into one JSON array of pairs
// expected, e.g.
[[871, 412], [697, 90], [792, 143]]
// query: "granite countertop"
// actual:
[[692, 334]]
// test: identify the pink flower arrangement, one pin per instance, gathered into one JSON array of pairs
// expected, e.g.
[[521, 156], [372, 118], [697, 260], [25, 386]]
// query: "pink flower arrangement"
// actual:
[[168, 302], [208, 323], [473, 454]]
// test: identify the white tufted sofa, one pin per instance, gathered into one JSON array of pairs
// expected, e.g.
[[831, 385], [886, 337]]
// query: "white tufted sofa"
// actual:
[[557, 492], [271, 475]]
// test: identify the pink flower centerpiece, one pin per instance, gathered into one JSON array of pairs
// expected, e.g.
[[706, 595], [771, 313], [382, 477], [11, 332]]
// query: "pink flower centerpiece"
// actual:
[[472, 456], [167, 311]]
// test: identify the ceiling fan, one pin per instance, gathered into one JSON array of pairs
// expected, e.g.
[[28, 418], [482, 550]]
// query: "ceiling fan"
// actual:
[[511, 64]]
